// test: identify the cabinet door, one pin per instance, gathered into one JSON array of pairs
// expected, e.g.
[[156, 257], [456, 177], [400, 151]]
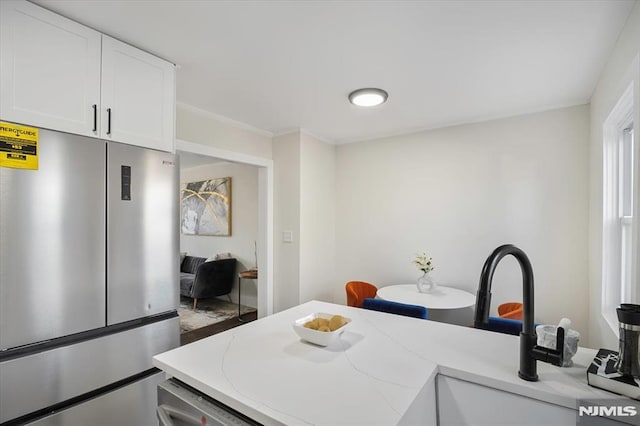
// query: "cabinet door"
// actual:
[[463, 403], [49, 69], [138, 96]]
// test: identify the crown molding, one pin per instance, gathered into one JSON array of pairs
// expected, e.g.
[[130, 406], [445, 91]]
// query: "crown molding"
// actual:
[[304, 132], [286, 132], [320, 138], [446, 125], [223, 119]]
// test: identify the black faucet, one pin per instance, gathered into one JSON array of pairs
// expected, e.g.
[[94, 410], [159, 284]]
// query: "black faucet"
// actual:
[[529, 351]]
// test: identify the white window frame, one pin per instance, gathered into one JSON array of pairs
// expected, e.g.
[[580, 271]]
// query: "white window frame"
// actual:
[[626, 216], [619, 218]]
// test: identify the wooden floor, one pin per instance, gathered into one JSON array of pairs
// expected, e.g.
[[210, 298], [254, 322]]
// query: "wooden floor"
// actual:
[[201, 333]]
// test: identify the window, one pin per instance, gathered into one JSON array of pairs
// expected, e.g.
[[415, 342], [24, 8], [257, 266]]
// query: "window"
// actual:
[[619, 223], [626, 215]]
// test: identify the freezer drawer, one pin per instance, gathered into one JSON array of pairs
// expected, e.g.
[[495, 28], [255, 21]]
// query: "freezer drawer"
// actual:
[[142, 223], [52, 244], [134, 404], [33, 382]]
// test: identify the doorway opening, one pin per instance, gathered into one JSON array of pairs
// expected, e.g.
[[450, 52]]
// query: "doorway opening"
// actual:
[[249, 240]]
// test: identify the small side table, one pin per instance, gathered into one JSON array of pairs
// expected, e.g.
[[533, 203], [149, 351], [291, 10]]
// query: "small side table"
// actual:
[[250, 274]]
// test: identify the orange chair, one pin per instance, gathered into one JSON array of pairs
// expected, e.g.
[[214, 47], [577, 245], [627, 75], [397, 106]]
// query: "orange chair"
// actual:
[[510, 310], [357, 291]]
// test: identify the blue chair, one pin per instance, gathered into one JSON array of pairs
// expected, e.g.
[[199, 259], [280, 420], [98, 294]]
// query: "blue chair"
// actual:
[[505, 325], [395, 308]]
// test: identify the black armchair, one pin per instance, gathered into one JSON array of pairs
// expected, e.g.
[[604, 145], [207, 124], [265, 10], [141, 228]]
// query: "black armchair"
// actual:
[[200, 279]]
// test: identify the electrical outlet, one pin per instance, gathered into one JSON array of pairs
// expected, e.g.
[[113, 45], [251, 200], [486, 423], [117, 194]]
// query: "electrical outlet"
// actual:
[[287, 236]]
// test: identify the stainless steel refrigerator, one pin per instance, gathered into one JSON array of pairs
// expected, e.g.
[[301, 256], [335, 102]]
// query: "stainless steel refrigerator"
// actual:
[[88, 282]]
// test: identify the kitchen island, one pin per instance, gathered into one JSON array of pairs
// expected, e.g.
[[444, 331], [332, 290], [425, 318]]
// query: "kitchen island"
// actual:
[[381, 371]]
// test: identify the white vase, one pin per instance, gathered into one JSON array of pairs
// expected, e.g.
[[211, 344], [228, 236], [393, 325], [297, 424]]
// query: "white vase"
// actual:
[[426, 284]]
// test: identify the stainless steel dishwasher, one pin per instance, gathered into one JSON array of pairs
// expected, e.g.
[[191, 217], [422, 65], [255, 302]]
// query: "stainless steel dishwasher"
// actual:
[[180, 405]]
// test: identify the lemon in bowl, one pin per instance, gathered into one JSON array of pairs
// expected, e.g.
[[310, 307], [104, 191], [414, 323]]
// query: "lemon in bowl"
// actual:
[[320, 328]]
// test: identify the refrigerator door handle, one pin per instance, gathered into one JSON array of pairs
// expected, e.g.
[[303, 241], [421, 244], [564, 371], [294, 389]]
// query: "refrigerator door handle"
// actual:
[[95, 117], [166, 413]]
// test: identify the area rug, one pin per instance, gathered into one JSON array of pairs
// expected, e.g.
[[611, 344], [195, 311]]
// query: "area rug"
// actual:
[[209, 311]]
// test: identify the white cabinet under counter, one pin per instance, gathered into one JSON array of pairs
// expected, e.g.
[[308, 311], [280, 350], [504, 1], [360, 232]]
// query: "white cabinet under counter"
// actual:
[[462, 403], [61, 75]]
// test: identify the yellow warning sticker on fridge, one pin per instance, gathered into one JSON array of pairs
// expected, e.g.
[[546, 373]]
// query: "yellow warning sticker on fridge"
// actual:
[[18, 146]]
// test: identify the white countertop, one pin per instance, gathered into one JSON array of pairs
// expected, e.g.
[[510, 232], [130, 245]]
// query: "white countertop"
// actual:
[[440, 298], [371, 375]]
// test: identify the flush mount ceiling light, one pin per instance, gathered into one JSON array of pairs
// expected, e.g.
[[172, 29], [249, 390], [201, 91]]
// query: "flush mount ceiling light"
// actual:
[[368, 97]]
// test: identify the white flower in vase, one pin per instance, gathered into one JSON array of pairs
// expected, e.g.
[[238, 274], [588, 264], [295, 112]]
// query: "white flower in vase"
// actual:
[[424, 263]]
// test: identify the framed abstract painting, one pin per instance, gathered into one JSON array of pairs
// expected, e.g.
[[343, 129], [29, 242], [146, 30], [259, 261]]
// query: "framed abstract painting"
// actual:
[[205, 207]]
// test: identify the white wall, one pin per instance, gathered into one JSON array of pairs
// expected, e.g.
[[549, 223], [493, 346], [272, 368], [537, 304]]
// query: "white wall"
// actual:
[[304, 199], [244, 222], [317, 219], [286, 277], [203, 127], [460, 192], [622, 68]]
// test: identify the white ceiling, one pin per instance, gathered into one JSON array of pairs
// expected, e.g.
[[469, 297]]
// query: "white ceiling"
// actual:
[[283, 65]]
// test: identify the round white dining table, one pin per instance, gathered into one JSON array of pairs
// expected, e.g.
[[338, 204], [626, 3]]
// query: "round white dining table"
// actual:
[[440, 298]]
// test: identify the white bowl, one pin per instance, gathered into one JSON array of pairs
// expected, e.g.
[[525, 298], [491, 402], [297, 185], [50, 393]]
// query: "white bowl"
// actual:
[[320, 338]]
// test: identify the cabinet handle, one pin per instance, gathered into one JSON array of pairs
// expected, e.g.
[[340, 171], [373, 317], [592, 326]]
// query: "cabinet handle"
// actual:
[[95, 117], [108, 121], [166, 413]]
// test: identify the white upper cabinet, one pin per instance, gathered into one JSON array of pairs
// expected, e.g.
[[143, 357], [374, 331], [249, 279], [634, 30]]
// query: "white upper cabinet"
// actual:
[[61, 75], [49, 69], [138, 96]]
